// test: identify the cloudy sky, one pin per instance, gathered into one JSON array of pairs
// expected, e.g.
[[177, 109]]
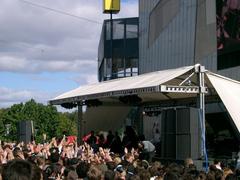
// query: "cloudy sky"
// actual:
[[44, 51]]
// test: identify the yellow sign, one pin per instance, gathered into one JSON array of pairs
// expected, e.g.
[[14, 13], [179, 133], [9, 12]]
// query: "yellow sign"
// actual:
[[111, 6]]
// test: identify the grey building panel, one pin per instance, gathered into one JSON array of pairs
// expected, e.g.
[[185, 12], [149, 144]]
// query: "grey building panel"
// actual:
[[175, 45], [206, 41], [210, 7], [210, 62], [145, 8]]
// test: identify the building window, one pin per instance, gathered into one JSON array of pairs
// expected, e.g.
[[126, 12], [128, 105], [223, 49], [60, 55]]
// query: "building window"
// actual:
[[131, 31], [120, 56], [118, 30], [108, 67], [160, 17], [131, 67], [228, 33]]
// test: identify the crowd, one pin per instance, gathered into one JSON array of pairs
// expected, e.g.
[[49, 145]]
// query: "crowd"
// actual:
[[110, 158]]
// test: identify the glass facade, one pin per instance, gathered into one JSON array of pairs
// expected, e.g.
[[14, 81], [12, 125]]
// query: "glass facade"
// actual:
[[118, 57], [228, 33]]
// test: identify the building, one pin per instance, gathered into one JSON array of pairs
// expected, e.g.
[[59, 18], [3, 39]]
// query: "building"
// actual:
[[122, 59], [176, 33]]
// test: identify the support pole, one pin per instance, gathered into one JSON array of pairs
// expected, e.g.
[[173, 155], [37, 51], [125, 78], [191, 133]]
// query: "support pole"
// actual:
[[140, 119], [111, 41], [79, 124], [202, 113]]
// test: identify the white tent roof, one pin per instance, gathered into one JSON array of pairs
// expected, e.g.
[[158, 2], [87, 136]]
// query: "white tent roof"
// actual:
[[229, 92], [149, 88], [148, 82]]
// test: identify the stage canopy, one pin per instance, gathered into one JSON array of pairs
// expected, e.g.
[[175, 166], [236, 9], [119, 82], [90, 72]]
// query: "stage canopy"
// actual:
[[159, 86]]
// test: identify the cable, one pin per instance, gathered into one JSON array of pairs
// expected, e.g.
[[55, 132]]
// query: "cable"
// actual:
[[59, 11], [64, 13]]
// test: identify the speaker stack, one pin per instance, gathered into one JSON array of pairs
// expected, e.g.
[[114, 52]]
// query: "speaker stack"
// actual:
[[25, 131], [180, 134]]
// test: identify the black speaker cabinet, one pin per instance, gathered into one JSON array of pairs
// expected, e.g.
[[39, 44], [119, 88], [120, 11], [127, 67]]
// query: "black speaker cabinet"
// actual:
[[168, 134], [180, 134], [25, 129]]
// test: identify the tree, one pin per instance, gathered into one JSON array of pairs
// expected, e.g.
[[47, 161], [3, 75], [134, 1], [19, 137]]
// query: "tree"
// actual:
[[46, 119], [67, 124]]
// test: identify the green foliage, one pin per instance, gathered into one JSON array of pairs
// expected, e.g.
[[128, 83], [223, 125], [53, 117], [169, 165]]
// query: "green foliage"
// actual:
[[67, 125], [46, 119]]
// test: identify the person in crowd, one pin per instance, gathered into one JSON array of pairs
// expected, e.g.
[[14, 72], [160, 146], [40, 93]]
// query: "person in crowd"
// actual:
[[226, 172], [94, 173], [116, 145], [126, 141], [120, 173], [188, 162], [101, 141], [18, 169], [82, 169], [110, 138], [92, 140], [217, 164], [60, 160], [147, 149]]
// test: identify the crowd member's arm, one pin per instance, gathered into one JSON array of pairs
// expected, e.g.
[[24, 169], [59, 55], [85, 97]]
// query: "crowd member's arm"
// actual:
[[125, 150], [30, 145], [64, 152], [76, 148], [4, 159], [54, 142], [19, 145], [1, 149], [62, 143], [44, 138], [107, 157], [9, 154], [49, 146], [2, 156], [45, 150]]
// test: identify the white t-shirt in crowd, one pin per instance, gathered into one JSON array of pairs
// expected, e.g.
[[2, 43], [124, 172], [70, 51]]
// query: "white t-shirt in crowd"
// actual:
[[148, 146]]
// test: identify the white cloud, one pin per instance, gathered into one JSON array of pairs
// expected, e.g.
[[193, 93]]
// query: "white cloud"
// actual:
[[8, 63], [35, 34], [86, 78], [30, 66], [9, 96], [92, 79], [34, 40]]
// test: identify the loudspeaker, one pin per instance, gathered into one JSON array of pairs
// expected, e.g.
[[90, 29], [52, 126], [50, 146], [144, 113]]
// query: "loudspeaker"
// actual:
[[188, 134], [187, 121], [169, 121], [168, 134], [180, 134], [25, 131]]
